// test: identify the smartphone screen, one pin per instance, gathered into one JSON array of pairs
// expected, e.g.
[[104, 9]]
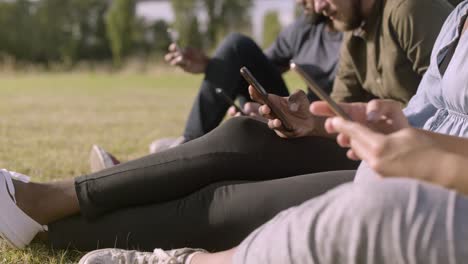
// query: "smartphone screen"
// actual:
[[315, 88], [259, 88], [228, 100]]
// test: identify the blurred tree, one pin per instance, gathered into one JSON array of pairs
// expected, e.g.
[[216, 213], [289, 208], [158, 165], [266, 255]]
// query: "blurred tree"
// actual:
[[193, 33], [53, 31], [225, 16], [120, 22], [150, 39], [57, 31], [66, 31], [186, 23], [90, 29], [271, 28], [140, 39], [160, 39], [16, 32]]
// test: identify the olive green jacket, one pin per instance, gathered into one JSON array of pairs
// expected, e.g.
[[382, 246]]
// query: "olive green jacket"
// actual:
[[388, 55]]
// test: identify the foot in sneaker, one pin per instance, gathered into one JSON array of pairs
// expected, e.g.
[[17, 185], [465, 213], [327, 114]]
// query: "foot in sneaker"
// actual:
[[120, 256], [99, 159], [165, 144], [16, 227]]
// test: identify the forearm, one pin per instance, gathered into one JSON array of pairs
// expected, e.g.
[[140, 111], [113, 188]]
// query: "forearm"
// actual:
[[441, 167], [453, 144], [453, 173]]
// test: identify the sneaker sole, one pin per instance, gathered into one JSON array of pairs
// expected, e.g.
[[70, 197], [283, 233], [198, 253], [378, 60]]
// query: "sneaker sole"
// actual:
[[99, 160], [5, 236], [5, 229], [9, 228], [88, 255], [91, 254]]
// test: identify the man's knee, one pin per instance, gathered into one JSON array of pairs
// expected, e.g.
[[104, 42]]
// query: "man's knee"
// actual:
[[243, 129], [236, 43]]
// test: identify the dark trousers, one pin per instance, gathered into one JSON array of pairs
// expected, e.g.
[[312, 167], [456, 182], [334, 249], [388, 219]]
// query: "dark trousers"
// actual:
[[210, 192], [234, 52]]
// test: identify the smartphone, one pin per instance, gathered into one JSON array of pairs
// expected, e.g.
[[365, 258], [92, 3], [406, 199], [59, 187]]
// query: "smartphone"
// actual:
[[174, 37], [259, 88], [315, 88], [228, 100]]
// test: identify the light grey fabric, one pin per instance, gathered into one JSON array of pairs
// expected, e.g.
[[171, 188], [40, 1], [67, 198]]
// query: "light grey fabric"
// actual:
[[364, 173], [375, 221]]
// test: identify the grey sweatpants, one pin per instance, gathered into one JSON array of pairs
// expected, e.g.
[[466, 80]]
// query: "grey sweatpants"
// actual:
[[378, 221]]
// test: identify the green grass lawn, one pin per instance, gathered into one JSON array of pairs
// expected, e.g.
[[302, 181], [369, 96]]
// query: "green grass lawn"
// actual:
[[48, 123]]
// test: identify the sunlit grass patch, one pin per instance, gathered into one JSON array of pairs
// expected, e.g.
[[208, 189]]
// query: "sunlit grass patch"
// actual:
[[48, 123]]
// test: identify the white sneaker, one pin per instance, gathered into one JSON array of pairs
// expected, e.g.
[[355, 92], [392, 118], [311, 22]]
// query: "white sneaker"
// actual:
[[120, 256], [16, 227], [163, 144], [99, 159]]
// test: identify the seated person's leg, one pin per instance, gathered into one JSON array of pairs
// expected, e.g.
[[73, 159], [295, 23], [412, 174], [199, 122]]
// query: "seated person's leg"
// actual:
[[254, 153], [386, 221], [217, 217], [234, 52], [242, 149]]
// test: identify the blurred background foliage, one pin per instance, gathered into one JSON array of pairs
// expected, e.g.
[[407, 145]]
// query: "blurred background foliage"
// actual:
[[66, 32], [53, 30], [272, 28]]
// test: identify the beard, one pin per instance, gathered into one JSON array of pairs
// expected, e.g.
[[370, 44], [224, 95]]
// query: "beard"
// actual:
[[315, 19], [350, 20]]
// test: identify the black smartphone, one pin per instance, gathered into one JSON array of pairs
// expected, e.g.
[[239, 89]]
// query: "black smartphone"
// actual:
[[315, 88], [228, 100], [255, 84], [174, 37]]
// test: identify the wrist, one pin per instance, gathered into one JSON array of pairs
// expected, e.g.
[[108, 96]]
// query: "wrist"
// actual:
[[451, 170]]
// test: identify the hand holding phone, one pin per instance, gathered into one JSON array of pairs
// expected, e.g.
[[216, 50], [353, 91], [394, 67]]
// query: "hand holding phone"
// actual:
[[259, 88], [189, 59], [315, 88], [228, 100]]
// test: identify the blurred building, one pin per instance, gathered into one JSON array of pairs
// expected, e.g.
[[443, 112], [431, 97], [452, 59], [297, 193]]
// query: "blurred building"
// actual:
[[152, 10]]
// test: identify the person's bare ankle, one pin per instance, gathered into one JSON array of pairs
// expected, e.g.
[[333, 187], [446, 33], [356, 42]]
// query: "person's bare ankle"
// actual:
[[47, 202], [28, 199]]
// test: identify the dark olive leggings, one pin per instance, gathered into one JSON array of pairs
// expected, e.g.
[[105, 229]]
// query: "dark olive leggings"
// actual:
[[210, 192]]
